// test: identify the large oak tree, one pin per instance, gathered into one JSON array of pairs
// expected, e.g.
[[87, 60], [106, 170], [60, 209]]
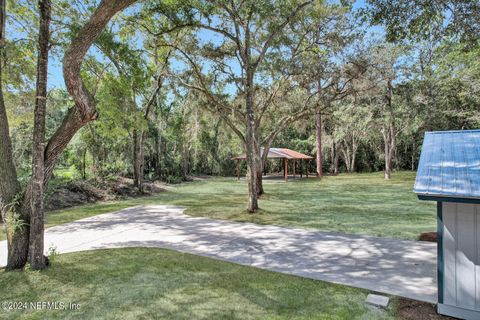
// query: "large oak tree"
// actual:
[[17, 205]]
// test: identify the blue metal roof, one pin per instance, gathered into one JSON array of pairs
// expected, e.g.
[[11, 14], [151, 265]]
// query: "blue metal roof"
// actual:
[[449, 164]]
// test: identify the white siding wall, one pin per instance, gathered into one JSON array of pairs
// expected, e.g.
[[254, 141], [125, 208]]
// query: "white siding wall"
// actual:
[[461, 251]]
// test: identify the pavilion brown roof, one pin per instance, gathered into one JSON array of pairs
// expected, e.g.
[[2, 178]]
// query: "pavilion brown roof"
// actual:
[[279, 153]]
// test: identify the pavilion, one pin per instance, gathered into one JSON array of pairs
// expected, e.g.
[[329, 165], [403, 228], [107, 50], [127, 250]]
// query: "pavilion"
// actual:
[[281, 153]]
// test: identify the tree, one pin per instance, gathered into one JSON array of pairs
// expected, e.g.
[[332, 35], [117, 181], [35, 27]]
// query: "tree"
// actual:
[[143, 79], [36, 243], [18, 210], [420, 19], [9, 185], [250, 36], [354, 122], [252, 64]]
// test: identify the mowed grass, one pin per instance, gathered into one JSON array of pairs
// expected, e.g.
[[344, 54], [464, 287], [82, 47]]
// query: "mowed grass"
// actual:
[[349, 203], [141, 283]]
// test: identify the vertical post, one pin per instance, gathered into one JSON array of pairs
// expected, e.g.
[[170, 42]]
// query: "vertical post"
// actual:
[[306, 170], [238, 169], [301, 168], [294, 165], [440, 266], [318, 143], [286, 169]]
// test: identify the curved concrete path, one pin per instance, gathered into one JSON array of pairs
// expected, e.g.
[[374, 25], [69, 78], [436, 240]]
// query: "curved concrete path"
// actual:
[[403, 268]]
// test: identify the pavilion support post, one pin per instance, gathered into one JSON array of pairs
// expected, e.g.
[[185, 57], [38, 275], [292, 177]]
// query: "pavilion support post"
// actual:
[[306, 171], [294, 165], [238, 169], [286, 169], [301, 168]]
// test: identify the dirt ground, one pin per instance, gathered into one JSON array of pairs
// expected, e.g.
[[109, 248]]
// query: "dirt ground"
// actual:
[[416, 310], [76, 193], [428, 236]]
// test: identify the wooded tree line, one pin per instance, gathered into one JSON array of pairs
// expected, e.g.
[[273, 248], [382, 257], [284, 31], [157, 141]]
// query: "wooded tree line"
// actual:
[[169, 89]]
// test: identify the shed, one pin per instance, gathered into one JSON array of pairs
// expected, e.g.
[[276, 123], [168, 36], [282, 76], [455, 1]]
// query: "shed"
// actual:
[[449, 173], [280, 153]]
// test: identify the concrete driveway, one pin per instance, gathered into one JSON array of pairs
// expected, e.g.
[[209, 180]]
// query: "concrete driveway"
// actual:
[[402, 268]]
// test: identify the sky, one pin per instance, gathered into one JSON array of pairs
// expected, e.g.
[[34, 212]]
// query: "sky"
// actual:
[[55, 79]]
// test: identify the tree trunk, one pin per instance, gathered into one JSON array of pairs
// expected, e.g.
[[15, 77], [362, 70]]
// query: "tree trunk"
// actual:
[[389, 144], [388, 170], [389, 133], [139, 139], [260, 168], [332, 156], [354, 153], [263, 163], [346, 156], [84, 164], [138, 160], [9, 185], [352, 165], [83, 112], [251, 149], [158, 159], [337, 156], [414, 148], [260, 190], [318, 143], [16, 222], [36, 241]]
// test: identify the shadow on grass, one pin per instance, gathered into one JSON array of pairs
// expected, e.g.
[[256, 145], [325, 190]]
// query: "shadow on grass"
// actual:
[[355, 203], [154, 283]]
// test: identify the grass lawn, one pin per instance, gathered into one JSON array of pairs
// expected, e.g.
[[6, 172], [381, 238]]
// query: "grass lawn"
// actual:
[[350, 203], [141, 283]]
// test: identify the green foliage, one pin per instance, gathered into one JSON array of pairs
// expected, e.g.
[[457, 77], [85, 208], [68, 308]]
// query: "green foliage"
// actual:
[[13, 222], [52, 254], [435, 84], [426, 19]]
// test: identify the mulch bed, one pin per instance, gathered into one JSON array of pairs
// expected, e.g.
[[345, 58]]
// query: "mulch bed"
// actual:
[[417, 310], [428, 236]]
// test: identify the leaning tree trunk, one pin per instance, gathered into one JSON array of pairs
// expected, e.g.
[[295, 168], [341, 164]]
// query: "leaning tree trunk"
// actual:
[[36, 241], [318, 143]]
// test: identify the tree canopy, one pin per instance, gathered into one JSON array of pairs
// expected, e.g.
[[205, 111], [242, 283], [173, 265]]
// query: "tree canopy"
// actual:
[[170, 89]]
